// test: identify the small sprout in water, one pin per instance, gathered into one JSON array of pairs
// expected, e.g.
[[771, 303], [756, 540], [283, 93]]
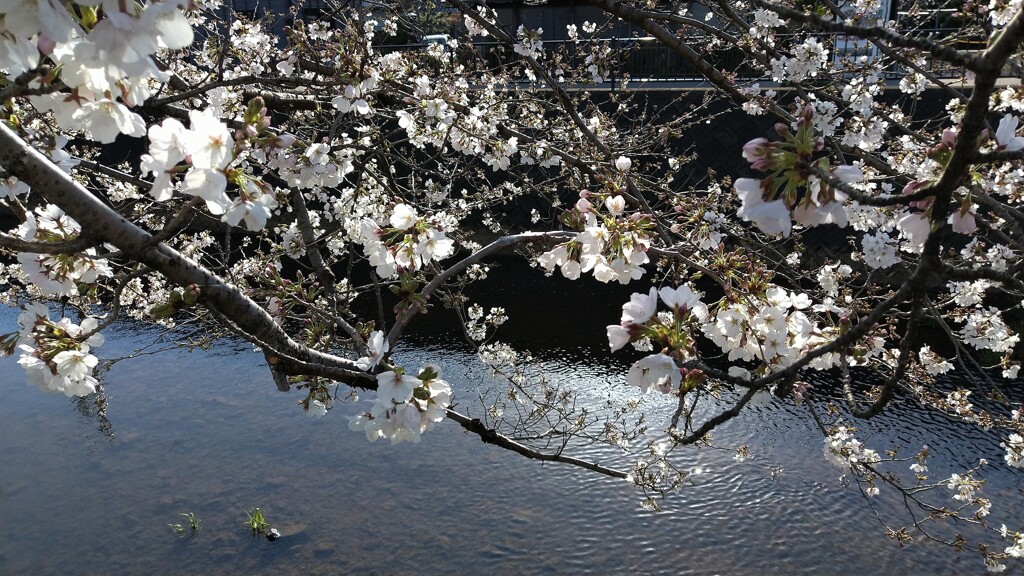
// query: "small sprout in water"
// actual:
[[257, 523], [193, 522]]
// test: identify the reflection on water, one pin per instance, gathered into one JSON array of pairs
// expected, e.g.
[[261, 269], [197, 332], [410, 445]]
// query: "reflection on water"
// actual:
[[208, 433]]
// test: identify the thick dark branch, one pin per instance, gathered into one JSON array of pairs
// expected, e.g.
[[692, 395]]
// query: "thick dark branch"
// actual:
[[102, 223], [175, 223], [1005, 43], [19, 86], [721, 418], [889, 388], [956, 172]]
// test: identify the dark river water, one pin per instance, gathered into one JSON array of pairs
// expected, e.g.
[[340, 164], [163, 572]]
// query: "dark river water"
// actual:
[[207, 433]]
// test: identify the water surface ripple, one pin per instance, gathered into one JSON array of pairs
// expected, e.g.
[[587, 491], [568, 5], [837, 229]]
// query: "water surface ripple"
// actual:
[[207, 433]]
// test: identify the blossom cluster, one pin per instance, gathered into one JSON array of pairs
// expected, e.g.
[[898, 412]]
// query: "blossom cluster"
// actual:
[[478, 323], [405, 406], [776, 329], [641, 320], [408, 244], [844, 450], [105, 53], [1014, 447], [56, 356], [791, 191], [57, 274], [529, 44], [208, 147], [610, 244]]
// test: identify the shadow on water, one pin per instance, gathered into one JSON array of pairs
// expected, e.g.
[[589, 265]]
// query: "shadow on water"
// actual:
[[207, 433]]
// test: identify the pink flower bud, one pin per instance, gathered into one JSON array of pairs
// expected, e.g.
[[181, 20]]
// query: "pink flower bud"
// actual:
[[949, 138], [911, 188], [46, 45], [756, 149]]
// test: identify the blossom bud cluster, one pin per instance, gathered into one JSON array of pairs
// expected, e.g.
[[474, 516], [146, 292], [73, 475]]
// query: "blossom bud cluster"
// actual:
[[640, 320], [409, 244], [104, 55], [610, 244], [405, 406], [56, 356], [791, 191], [57, 274]]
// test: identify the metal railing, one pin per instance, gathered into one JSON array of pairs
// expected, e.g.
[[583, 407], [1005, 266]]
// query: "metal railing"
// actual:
[[648, 60]]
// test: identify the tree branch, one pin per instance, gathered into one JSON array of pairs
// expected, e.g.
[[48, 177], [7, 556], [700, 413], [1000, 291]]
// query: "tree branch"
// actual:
[[104, 224], [491, 436]]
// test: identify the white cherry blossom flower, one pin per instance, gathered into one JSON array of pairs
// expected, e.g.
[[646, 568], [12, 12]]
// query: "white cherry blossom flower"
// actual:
[[915, 228], [640, 308], [107, 118], [210, 185], [254, 213], [1006, 134], [655, 371], [616, 205], [680, 298], [963, 221], [208, 141], [404, 217], [618, 337], [771, 217]]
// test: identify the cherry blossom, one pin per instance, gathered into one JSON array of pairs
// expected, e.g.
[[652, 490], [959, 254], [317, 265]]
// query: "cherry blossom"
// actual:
[[323, 169], [656, 371]]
